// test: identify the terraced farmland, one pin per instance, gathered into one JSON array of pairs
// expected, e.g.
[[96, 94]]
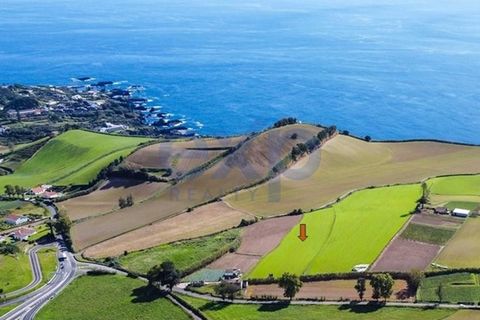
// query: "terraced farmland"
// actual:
[[74, 157], [353, 231], [181, 156], [252, 162], [344, 164], [105, 198]]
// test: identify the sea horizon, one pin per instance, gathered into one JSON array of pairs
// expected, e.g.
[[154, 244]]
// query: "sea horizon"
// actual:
[[393, 70]]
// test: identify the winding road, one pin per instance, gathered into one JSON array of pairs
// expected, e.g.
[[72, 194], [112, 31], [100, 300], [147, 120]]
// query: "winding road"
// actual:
[[30, 304], [36, 271]]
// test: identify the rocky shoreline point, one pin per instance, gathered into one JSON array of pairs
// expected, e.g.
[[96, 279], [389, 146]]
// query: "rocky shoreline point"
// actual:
[[103, 106]]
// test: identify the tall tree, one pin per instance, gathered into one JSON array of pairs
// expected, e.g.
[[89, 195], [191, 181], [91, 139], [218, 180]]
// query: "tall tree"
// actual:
[[361, 288], [166, 274], [291, 284], [382, 285], [226, 290], [439, 292], [414, 280], [425, 193], [9, 190]]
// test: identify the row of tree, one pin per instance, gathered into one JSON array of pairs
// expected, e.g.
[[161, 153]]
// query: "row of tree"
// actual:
[[11, 191], [310, 145], [284, 122], [382, 284]]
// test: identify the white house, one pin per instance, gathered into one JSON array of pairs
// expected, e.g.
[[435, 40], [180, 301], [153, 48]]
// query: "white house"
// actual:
[[16, 220], [461, 212]]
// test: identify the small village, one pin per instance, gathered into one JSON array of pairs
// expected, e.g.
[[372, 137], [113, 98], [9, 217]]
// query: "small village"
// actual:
[[102, 106]]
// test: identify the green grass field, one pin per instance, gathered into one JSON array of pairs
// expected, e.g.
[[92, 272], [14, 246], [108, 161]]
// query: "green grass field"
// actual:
[[427, 234], [224, 311], [4, 310], [456, 288], [15, 271], [185, 254], [74, 157], [457, 185], [115, 297], [354, 231], [48, 261], [463, 205]]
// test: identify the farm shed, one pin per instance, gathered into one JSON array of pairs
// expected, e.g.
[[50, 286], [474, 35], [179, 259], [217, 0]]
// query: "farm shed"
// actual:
[[461, 212]]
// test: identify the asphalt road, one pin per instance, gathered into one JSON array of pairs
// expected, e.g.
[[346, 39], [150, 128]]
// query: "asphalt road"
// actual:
[[31, 303]]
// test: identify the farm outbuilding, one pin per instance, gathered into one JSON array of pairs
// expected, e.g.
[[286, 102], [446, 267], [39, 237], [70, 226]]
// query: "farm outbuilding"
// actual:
[[441, 210], [461, 212]]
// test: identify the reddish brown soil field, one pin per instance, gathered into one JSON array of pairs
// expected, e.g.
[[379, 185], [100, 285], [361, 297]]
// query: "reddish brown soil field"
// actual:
[[202, 221], [406, 255], [331, 290], [257, 240], [105, 198], [435, 220]]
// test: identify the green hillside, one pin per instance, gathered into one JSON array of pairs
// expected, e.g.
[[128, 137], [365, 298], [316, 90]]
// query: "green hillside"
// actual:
[[74, 157]]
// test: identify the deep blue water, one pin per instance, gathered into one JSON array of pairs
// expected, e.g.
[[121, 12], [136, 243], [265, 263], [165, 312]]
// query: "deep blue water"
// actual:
[[391, 69]]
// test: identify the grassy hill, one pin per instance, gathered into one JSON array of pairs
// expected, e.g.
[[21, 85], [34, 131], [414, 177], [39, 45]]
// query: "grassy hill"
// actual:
[[250, 163], [74, 157], [344, 164]]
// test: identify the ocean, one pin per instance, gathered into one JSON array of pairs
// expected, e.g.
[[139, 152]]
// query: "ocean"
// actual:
[[396, 69]]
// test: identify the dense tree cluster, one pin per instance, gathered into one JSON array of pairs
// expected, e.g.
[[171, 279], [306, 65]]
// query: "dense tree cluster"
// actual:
[[226, 290], [8, 248], [291, 284], [310, 145], [382, 285], [164, 274], [284, 122], [126, 202], [62, 226], [11, 191]]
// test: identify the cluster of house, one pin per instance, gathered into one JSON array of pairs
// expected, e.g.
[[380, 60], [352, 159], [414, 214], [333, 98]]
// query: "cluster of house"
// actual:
[[45, 191], [20, 234], [59, 100], [457, 212], [28, 113]]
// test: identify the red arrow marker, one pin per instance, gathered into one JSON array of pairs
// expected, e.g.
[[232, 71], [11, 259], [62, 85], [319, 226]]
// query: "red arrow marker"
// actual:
[[303, 232]]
